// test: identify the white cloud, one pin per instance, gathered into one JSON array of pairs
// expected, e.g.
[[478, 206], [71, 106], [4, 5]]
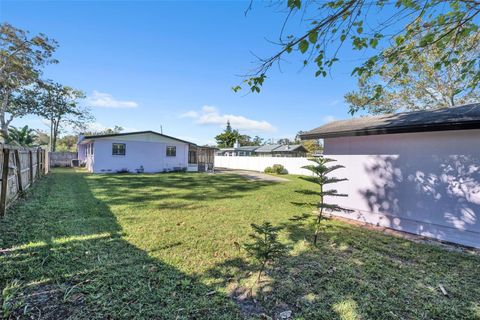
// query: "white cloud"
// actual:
[[334, 102], [209, 115], [328, 119], [189, 114], [106, 100]]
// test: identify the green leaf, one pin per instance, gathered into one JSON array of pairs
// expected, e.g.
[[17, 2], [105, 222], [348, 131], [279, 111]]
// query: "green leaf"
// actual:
[[292, 4], [303, 46], [313, 36]]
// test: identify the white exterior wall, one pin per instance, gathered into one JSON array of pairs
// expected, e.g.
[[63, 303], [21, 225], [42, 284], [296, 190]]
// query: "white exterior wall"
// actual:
[[423, 183], [81, 151], [147, 150], [293, 165]]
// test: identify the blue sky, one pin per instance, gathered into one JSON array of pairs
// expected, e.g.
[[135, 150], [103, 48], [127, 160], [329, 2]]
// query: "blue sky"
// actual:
[[150, 63]]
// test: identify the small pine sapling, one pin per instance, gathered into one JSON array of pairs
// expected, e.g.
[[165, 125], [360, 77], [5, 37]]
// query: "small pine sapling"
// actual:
[[320, 171], [265, 246]]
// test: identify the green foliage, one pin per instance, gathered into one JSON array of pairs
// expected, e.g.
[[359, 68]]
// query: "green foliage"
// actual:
[[24, 136], [60, 105], [114, 130], [227, 138], [419, 81], [67, 143], [265, 246], [320, 171], [22, 58], [276, 169], [268, 170], [432, 25]]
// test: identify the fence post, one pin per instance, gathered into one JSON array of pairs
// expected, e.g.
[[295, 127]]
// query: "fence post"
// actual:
[[30, 156], [19, 170], [46, 159], [38, 163], [3, 191]]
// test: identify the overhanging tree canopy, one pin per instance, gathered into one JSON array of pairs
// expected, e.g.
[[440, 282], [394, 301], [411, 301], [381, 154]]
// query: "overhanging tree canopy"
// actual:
[[402, 26]]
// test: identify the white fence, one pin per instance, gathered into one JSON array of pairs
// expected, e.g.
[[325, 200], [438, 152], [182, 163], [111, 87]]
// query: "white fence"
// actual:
[[292, 165]]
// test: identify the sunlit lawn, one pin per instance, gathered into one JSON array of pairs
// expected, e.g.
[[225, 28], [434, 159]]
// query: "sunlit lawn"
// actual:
[[165, 246]]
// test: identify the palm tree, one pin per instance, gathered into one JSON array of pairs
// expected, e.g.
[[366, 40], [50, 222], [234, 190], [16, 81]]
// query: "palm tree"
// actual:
[[23, 136]]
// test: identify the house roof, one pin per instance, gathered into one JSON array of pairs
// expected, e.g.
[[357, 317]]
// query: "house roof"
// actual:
[[292, 147], [268, 148], [455, 118], [279, 148], [132, 133], [247, 148]]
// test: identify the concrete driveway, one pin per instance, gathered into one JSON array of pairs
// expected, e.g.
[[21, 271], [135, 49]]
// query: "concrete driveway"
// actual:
[[252, 175]]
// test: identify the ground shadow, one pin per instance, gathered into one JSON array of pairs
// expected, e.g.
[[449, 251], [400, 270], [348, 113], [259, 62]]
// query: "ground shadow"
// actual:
[[355, 273], [67, 258]]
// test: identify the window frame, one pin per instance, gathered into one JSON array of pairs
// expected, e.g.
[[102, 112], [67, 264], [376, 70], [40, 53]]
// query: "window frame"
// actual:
[[174, 148], [119, 144]]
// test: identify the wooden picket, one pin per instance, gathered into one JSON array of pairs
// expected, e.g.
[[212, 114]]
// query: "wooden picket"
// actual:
[[20, 168]]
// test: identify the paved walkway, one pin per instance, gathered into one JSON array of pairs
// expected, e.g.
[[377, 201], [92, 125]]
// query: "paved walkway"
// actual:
[[253, 175]]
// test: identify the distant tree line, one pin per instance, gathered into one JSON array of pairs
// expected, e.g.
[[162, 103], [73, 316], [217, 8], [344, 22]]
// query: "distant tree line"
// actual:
[[228, 137]]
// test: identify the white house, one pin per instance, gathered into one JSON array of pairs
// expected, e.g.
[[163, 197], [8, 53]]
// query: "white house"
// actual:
[[268, 150], [144, 151], [417, 172]]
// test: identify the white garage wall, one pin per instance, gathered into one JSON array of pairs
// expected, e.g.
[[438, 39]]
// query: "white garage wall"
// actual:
[[424, 183], [293, 165]]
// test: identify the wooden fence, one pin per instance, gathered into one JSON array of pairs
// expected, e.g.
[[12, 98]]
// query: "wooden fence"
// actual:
[[61, 159], [19, 169]]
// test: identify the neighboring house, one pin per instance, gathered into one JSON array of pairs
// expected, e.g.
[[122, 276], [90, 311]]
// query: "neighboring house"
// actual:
[[237, 151], [144, 151], [268, 150], [417, 172], [277, 150]]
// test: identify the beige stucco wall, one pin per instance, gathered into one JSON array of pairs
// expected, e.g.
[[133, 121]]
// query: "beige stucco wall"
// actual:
[[424, 183]]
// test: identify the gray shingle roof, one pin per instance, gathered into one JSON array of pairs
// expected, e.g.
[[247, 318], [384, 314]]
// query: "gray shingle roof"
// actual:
[[268, 148], [456, 118], [287, 148], [247, 148], [99, 136]]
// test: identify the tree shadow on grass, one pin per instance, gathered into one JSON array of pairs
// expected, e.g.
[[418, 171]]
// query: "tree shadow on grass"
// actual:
[[182, 190], [355, 273], [63, 256]]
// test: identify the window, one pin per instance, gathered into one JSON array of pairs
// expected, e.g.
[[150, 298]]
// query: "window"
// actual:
[[192, 157], [171, 151], [118, 149]]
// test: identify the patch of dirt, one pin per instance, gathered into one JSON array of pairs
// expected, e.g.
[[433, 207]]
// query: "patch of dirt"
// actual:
[[45, 301], [250, 307], [245, 301]]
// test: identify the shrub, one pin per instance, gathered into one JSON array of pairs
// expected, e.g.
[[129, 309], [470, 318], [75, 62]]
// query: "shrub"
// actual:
[[268, 170], [276, 169], [279, 169]]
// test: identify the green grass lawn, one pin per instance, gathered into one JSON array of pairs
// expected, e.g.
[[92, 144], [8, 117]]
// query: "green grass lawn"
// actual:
[[164, 246]]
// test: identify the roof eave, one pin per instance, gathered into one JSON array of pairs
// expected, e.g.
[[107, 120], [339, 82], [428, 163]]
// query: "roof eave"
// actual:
[[464, 125], [137, 132]]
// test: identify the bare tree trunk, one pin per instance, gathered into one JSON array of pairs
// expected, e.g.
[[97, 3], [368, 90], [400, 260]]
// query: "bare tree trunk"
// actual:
[[55, 134], [319, 218], [51, 134], [3, 123]]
